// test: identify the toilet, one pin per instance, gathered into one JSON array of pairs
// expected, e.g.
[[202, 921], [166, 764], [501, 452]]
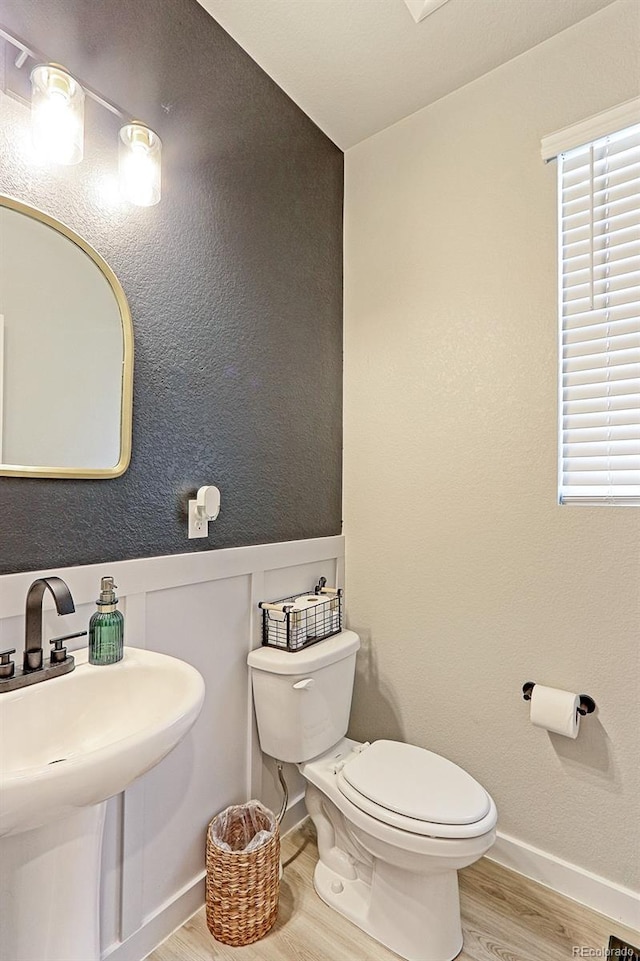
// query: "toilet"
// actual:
[[395, 822]]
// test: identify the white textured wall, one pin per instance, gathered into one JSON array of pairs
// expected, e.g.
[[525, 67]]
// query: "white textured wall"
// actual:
[[464, 577]]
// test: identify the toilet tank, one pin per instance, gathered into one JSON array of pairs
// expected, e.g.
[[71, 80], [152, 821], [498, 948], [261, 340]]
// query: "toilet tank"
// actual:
[[303, 698]]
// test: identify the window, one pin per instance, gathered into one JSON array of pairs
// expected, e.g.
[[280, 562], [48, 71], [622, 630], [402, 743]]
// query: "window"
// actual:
[[599, 293]]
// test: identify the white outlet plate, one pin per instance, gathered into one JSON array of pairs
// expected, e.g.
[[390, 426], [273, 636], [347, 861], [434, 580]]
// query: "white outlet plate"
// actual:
[[197, 527]]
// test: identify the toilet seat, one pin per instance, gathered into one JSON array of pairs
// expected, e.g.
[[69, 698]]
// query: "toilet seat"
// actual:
[[416, 790]]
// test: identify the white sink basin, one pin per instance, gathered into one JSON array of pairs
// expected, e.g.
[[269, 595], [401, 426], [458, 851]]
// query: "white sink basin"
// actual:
[[75, 740]]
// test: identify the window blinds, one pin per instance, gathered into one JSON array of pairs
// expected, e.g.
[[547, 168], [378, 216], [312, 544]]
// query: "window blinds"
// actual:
[[599, 197]]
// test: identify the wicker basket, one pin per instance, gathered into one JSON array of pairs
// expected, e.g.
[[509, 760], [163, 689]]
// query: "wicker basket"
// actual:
[[242, 887]]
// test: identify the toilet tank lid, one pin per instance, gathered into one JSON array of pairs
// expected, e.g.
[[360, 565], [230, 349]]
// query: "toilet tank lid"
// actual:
[[307, 659]]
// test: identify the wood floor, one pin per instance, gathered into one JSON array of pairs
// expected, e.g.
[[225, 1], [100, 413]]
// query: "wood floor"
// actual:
[[505, 917]]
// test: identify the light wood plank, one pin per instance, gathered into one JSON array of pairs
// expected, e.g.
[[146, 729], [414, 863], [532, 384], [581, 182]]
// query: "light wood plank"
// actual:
[[505, 917]]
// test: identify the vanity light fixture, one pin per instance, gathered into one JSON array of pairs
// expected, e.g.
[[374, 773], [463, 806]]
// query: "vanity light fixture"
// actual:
[[57, 122], [57, 115], [139, 164]]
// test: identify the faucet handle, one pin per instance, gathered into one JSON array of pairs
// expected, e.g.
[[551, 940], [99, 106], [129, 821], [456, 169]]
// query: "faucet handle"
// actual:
[[59, 653], [7, 665]]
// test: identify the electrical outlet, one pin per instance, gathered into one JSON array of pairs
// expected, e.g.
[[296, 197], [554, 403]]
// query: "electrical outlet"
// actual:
[[622, 950], [197, 526]]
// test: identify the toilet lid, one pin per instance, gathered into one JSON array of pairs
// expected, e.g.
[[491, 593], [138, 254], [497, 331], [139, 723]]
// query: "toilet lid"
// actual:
[[416, 783]]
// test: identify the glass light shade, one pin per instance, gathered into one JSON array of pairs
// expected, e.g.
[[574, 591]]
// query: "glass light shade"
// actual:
[[57, 115], [139, 164]]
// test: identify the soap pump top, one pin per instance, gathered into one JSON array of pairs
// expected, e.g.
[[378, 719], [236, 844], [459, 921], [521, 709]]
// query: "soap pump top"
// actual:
[[106, 627], [107, 600]]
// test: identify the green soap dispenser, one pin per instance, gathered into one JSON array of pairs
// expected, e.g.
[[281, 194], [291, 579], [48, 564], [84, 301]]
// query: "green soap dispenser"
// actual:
[[106, 627]]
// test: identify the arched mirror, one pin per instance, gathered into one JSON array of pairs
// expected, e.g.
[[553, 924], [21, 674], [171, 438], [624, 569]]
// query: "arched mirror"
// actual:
[[66, 353]]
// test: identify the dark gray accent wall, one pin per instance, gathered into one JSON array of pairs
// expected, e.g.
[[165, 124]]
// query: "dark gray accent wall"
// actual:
[[234, 282]]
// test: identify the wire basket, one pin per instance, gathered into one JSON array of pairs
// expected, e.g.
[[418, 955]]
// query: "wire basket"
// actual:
[[243, 873], [297, 621]]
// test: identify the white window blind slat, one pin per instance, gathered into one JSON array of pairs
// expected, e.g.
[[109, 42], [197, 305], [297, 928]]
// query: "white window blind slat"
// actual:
[[628, 401], [608, 358], [612, 178], [599, 205], [611, 477], [582, 320], [590, 435], [597, 243], [602, 420], [588, 453], [603, 301], [602, 164], [599, 274], [607, 227], [596, 337], [604, 264], [603, 219], [594, 496], [601, 377], [601, 390], [611, 254], [619, 469], [601, 283], [601, 190], [598, 345]]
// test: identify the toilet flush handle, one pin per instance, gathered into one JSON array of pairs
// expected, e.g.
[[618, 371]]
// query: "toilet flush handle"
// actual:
[[304, 685]]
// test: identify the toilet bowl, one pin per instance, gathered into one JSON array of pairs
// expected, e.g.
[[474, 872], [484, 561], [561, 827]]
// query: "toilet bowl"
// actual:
[[394, 822], [393, 876]]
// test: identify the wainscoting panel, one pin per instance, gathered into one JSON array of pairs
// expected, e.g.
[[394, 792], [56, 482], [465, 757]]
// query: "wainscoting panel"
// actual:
[[208, 626], [199, 607]]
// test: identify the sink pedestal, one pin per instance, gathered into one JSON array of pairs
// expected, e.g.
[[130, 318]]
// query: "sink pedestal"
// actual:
[[50, 890]]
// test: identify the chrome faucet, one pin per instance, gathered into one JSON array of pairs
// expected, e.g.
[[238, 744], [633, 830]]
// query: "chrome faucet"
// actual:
[[34, 668]]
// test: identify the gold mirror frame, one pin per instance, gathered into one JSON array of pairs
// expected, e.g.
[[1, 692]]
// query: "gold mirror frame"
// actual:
[[126, 406]]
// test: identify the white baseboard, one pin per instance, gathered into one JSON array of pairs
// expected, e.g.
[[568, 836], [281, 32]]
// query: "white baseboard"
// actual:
[[158, 926], [597, 893]]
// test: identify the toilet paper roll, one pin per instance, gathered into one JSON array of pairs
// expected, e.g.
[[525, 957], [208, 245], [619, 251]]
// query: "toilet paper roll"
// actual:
[[555, 710], [305, 601], [309, 621]]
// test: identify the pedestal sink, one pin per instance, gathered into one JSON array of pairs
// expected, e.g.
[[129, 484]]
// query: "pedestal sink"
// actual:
[[66, 745]]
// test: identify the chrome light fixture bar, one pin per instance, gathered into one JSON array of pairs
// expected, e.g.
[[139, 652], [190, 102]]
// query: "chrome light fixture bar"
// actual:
[[57, 113]]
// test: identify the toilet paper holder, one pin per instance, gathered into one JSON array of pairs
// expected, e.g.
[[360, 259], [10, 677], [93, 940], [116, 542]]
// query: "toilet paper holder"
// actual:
[[587, 704]]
